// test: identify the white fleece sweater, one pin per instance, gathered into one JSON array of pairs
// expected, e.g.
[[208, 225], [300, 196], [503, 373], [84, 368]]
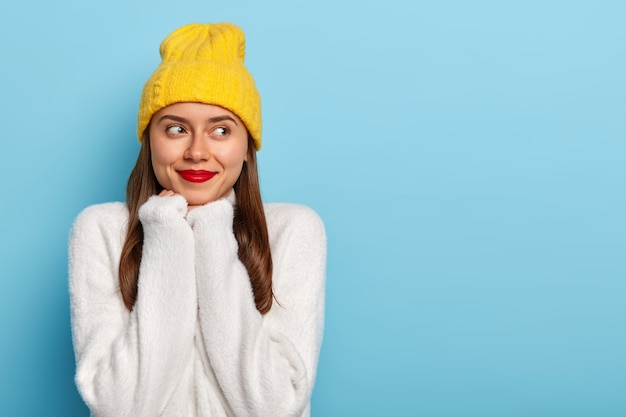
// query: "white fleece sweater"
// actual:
[[195, 344]]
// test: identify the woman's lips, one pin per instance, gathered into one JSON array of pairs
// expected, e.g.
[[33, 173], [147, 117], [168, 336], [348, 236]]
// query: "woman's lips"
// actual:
[[193, 175]]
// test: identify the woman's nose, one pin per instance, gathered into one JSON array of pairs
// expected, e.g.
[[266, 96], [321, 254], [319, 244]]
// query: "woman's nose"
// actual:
[[198, 149]]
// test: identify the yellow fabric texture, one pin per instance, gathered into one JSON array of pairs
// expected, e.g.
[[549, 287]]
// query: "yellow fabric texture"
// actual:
[[203, 63]]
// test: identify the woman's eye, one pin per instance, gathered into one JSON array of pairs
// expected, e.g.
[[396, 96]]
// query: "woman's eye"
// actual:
[[221, 131], [175, 130]]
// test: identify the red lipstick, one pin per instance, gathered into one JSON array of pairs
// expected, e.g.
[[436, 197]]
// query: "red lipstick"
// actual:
[[193, 175]]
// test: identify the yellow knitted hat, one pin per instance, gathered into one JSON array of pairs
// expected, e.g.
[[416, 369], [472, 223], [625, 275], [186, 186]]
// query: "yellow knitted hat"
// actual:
[[203, 63]]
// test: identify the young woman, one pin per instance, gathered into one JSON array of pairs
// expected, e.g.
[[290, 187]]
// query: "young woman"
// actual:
[[194, 298]]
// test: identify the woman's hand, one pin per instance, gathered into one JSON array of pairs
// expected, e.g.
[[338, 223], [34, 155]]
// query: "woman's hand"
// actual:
[[163, 207], [169, 193]]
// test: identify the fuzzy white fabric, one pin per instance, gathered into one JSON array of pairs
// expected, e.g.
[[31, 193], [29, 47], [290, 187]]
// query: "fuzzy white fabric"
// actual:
[[195, 344]]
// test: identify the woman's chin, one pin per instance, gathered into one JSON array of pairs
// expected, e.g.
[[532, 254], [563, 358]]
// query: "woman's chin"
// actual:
[[200, 199], [195, 202]]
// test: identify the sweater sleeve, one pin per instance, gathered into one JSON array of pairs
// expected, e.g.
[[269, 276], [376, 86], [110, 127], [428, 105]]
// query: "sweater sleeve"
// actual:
[[129, 363], [265, 365]]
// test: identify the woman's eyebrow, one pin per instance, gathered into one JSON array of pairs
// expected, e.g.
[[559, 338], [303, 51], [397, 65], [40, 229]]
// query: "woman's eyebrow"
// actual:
[[222, 118], [210, 120], [174, 118]]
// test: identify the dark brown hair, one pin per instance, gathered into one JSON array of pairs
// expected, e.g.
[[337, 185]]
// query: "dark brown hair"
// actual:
[[249, 227]]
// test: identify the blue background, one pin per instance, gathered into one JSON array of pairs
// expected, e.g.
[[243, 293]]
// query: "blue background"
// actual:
[[468, 159]]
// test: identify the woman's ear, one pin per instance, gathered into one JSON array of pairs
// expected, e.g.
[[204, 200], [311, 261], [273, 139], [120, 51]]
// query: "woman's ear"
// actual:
[[249, 148]]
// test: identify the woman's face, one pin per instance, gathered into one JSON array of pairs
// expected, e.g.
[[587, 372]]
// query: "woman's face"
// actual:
[[198, 150]]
